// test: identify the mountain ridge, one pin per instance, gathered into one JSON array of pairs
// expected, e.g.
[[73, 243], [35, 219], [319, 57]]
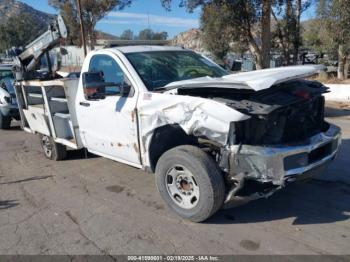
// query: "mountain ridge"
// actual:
[[14, 8]]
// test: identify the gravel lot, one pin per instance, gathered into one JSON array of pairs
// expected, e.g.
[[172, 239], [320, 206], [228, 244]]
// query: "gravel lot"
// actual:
[[97, 206]]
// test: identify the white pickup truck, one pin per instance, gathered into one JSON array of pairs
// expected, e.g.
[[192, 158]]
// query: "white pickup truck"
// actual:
[[212, 139]]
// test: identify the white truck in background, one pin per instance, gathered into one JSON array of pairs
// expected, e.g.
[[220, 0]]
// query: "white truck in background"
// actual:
[[212, 139], [8, 102]]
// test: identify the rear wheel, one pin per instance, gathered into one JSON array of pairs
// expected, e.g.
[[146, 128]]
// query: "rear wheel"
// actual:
[[52, 150], [5, 122], [190, 183]]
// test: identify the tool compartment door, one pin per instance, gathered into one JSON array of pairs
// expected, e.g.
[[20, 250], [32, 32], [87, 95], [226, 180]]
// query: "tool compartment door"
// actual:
[[37, 120]]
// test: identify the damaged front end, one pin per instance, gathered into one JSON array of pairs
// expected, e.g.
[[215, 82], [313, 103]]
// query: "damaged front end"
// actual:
[[258, 171], [284, 139]]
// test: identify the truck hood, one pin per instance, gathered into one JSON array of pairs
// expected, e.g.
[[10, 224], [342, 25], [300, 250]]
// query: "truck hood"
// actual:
[[254, 80]]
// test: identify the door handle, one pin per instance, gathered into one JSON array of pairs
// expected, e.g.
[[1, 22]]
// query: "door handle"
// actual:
[[84, 104]]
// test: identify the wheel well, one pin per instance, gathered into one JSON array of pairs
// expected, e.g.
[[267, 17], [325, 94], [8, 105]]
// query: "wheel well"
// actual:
[[165, 138]]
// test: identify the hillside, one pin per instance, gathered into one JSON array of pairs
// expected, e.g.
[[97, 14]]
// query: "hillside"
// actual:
[[14, 8], [191, 39]]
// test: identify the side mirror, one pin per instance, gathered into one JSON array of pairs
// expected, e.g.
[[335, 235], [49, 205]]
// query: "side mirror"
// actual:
[[125, 89], [94, 85]]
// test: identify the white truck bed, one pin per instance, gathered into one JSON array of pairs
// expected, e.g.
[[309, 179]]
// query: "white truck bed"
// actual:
[[48, 108]]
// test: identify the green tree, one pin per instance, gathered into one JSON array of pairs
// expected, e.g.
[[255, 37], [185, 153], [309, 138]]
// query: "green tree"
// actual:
[[339, 26], [331, 33], [92, 12], [16, 32], [146, 34], [287, 34], [216, 34], [160, 35], [316, 33], [127, 35], [249, 21], [316, 37], [149, 34]]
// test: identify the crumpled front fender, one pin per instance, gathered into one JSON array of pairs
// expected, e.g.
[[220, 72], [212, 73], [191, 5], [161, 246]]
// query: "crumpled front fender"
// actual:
[[196, 116]]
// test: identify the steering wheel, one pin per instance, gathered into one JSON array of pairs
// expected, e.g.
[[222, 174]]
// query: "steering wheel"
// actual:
[[190, 73]]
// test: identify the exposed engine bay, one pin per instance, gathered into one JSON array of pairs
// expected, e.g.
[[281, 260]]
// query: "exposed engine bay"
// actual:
[[285, 113]]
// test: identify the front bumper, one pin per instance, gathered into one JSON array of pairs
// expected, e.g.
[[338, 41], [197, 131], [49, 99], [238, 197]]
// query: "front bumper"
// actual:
[[259, 171], [282, 163]]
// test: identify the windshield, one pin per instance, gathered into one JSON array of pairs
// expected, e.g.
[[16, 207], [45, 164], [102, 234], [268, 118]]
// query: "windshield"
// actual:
[[6, 80], [159, 68]]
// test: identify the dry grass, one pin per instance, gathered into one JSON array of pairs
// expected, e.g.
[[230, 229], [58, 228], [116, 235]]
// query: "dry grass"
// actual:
[[330, 79]]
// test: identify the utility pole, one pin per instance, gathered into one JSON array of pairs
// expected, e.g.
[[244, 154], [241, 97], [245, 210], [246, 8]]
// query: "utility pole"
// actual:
[[82, 31]]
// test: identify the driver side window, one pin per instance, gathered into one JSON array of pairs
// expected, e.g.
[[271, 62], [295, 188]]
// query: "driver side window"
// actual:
[[112, 73]]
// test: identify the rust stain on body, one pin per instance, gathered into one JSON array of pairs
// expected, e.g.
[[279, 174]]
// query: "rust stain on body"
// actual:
[[120, 144], [133, 113], [136, 148]]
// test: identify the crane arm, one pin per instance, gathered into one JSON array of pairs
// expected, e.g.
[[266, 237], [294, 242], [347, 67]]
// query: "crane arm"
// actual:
[[26, 61]]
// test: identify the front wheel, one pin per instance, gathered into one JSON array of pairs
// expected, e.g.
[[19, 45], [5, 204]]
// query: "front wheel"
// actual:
[[190, 183], [52, 150]]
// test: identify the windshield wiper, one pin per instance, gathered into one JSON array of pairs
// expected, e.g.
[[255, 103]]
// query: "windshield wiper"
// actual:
[[159, 89]]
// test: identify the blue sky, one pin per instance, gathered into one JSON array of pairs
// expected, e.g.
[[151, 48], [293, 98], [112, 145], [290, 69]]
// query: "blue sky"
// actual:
[[136, 17], [145, 14]]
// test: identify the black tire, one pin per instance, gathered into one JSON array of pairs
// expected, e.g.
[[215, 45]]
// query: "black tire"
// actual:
[[52, 150], [5, 122], [207, 176]]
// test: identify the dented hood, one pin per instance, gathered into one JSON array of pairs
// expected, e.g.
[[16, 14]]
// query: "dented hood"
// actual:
[[254, 80]]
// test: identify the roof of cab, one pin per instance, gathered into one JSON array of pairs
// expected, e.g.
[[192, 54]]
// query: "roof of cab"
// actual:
[[147, 48]]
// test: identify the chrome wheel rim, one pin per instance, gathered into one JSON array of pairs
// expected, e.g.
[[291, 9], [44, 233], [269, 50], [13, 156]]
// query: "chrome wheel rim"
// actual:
[[182, 187], [45, 142]]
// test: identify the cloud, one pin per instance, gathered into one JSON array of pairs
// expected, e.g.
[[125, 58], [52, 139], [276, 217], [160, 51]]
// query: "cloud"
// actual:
[[142, 19]]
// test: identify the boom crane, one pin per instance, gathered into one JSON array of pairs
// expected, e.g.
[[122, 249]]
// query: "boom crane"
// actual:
[[27, 60]]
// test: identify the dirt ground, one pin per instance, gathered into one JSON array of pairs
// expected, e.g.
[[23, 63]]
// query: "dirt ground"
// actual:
[[97, 206]]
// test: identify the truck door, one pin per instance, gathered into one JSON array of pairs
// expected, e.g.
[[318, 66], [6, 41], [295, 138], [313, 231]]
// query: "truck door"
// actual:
[[108, 124]]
